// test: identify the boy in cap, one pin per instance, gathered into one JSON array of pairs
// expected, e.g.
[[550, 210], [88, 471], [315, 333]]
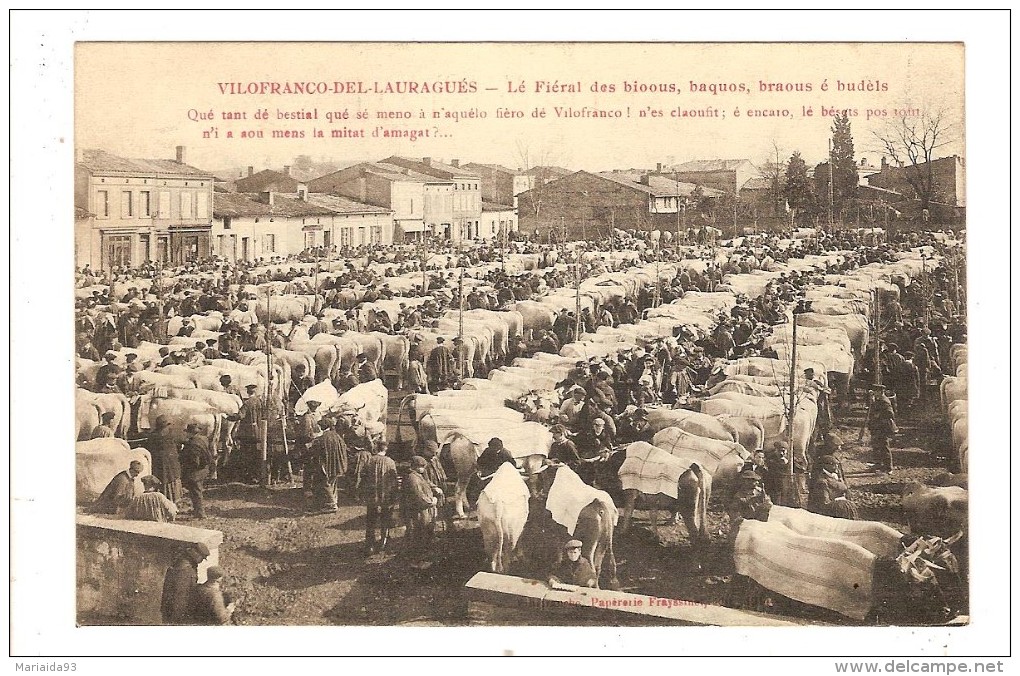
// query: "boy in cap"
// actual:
[[573, 568], [208, 606], [749, 501]]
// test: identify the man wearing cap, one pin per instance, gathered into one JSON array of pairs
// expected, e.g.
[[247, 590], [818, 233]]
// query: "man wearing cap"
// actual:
[[179, 584], [376, 479], [573, 568], [493, 457], [121, 490], [419, 502], [440, 366], [881, 423], [195, 463], [749, 501], [208, 606], [166, 464], [211, 351], [250, 417], [105, 428], [571, 407], [306, 429], [562, 449]]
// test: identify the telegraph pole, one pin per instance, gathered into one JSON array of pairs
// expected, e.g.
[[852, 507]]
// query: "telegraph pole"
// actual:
[[264, 423]]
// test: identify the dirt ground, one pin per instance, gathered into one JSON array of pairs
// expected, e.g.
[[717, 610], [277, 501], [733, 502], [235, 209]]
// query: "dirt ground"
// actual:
[[285, 568]]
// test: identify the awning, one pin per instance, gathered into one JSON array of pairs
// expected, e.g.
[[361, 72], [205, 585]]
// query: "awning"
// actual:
[[412, 226]]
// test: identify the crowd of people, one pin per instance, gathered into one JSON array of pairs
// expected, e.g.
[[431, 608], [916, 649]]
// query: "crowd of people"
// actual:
[[605, 401]]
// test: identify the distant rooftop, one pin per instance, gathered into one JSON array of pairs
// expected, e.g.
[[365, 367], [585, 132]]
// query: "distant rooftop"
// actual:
[[100, 161]]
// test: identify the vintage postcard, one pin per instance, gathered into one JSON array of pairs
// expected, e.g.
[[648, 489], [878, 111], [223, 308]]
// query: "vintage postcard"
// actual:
[[521, 334]]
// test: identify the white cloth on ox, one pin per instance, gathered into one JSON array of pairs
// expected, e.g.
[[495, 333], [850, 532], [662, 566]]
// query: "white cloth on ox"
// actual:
[[876, 537], [829, 573], [507, 486], [569, 495], [651, 470], [324, 393], [144, 402]]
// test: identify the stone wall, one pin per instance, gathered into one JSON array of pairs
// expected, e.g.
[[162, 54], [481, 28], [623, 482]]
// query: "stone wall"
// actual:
[[121, 565]]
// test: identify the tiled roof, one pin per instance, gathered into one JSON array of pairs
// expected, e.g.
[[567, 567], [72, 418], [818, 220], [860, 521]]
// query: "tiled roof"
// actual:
[[709, 165], [266, 178], [418, 164], [82, 214], [100, 161], [548, 171], [658, 186], [493, 168], [756, 183], [343, 205], [245, 204]]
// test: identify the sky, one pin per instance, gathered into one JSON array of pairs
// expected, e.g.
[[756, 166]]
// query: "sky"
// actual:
[[516, 104]]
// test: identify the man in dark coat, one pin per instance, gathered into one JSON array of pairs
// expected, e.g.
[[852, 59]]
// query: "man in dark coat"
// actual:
[[574, 568], [195, 463], [120, 491], [166, 464], [367, 371], [327, 463], [208, 607], [179, 584], [377, 481], [105, 428], [419, 500], [492, 457], [440, 366], [881, 424]]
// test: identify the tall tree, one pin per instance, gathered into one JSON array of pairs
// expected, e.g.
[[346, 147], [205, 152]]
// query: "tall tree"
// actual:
[[844, 167], [798, 193], [913, 142], [771, 171]]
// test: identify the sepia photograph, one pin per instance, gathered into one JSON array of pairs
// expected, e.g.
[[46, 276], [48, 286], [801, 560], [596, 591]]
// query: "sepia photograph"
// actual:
[[517, 334]]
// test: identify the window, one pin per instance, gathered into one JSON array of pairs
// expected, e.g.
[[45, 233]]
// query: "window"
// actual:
[[411, 211], [270, 244], [203, 205], [226, 222], [309, 240], [164, 204], [127, 207], [145, 203], [103, 203], [186, 208]]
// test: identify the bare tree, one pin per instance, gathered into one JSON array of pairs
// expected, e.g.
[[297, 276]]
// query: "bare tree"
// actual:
[[913, 142], [772, 171]]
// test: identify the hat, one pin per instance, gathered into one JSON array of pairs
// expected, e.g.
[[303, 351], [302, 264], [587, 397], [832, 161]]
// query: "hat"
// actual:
[[213, 573], [418, 462], [496, 444], [108, 415], [161, 422], [192, 427], [749, 475], [430, 450], [558, 429], [150, 481], [250, 386], [573, 544], [111, 355], [828, 461]]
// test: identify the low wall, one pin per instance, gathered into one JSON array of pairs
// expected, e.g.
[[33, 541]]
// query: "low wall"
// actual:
[[504, 600], [121, 565]]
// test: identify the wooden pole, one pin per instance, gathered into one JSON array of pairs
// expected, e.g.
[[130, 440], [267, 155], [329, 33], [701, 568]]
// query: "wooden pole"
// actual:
[[264, 423], [793, 395]]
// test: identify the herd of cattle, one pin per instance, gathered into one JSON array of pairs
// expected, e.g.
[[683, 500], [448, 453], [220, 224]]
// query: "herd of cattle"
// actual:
[[693, 454]]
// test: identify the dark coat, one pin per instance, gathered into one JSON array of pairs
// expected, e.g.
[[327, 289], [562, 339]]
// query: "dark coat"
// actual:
[[178, 588]]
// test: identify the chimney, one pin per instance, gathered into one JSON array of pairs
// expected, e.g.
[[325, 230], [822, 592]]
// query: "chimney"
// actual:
[[864, 161], [427, 161], [455, 163], [302, 191], [286, 170], [182, 154], [267, 197], [884, 163], [643, 180], [251, 171], [658, 167]]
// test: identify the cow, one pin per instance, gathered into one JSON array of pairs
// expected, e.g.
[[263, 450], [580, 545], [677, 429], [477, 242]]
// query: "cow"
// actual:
[[109, 402], [935, 511], [664, 481], [700, 424], [563, 507], [86, 416], [502, 515]]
